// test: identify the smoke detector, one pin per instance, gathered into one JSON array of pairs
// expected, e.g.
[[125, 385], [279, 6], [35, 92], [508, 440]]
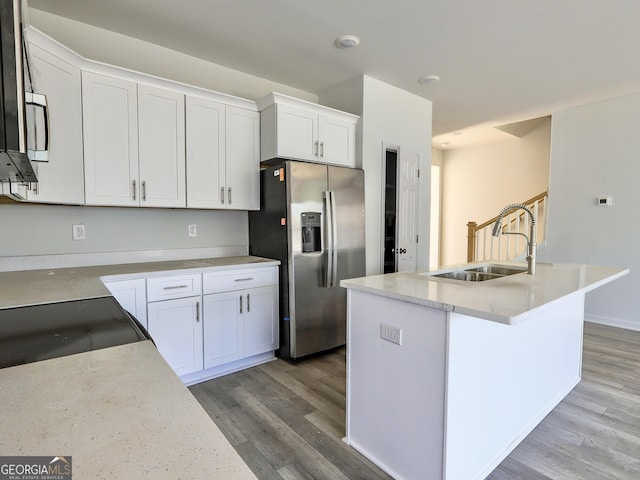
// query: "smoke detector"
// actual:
[[347, 41]]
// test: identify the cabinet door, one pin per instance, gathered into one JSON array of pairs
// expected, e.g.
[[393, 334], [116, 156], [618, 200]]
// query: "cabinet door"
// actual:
[[110, 122], [297, 133], [132, 296], [261, 320], [176, 330], [337, 141], [243, 159], [205, 124], [161, 130], [61, 179], [223, 328]]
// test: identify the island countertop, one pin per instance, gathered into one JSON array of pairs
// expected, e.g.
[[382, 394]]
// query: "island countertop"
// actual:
[[509, 300]]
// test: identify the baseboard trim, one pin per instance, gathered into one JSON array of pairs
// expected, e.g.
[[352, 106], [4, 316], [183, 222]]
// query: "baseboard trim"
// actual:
[[613, 322]]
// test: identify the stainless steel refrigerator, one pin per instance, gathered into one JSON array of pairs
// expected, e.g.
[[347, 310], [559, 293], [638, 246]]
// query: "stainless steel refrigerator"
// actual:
[[311, 218]]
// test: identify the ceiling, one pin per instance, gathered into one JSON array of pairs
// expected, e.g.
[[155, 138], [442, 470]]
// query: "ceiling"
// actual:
[[499, 61]]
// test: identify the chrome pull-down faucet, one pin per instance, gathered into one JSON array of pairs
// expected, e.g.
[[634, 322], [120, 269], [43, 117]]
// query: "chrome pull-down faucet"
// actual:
[[531, 240]]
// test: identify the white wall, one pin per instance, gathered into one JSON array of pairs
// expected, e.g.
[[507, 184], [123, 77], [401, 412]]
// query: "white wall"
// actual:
[[594, 152], [30, 229], [477, 182], [392, 117]]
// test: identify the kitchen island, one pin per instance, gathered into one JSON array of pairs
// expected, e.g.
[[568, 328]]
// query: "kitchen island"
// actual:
[[446, 377]]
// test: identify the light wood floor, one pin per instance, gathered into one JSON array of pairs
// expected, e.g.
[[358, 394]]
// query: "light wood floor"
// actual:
[[286, 421]]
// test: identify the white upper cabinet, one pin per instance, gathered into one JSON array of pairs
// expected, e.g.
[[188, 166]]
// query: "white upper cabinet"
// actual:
[[161, 147], [242, 170], [57, 75], [223, 163], [299, 130], [205, 153], [110, 111], [134, 143]]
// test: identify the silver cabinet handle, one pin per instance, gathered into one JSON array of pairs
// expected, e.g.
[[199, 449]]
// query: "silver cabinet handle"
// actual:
[[222, 195], [197, 311], [133, 183], [246, 279], [175, 287], [240, 303], [229, 196], [321, 149], [144, 191], [248, 302], [315, 148]]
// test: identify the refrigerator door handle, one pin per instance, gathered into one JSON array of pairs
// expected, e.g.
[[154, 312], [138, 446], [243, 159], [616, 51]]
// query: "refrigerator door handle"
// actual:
[[334, 240], [328, 240]]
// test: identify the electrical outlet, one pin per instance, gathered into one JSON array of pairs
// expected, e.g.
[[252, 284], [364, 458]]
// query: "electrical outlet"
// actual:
[[78, 232], [391, 334], [193, 230]]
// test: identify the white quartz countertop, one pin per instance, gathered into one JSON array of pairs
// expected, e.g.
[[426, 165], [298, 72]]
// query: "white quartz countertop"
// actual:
[[508, 300], [119, 412], [30, 287]]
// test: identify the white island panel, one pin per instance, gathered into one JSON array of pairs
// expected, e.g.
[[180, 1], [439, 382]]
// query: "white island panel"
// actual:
[[396, 392], [503, 380]]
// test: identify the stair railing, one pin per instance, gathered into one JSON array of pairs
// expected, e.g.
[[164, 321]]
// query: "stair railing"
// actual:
[[481, 245]]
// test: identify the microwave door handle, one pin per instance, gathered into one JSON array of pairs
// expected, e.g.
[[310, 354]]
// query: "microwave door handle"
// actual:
[[328, 240], [40, 100]]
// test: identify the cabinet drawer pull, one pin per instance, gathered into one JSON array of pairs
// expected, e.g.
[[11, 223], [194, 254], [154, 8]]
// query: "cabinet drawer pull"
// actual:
[[240, 303], [197, 311], [229, 196], [248, 302], [315, 149], [247, 279], [321, 149], [133, 183], [222, 195], [144, 190], [175, 287]]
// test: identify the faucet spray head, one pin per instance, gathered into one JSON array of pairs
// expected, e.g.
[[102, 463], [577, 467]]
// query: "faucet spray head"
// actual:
[[497, 227]]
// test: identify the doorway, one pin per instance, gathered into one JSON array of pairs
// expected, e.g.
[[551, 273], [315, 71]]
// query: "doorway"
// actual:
[[390, 259]]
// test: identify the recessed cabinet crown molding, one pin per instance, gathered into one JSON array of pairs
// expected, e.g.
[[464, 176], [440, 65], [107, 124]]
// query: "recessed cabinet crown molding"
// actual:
[[300, 130]]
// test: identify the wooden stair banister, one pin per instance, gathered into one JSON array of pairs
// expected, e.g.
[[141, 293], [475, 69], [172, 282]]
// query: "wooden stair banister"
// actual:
[[473, 227]]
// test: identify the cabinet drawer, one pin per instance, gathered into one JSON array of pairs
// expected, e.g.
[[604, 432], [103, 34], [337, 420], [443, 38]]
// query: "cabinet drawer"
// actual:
[[177, 286], [237, 280]]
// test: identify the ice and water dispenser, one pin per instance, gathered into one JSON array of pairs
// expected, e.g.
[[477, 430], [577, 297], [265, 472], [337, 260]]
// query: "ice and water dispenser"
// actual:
[[311, 234]]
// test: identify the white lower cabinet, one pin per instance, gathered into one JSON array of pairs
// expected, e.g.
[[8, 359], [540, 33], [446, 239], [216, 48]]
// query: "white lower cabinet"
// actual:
[[176, 329], [132, 296], [240, 324], [206, 323]]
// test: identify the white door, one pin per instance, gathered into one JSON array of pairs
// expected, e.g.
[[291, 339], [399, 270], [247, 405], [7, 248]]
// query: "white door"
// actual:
[[61, 180], [223, 328], [176, 329], [161, 128], [407, 210], [110, 127], [297, 133], [261, 320], [205, 125], [337, 141], [242, 159]]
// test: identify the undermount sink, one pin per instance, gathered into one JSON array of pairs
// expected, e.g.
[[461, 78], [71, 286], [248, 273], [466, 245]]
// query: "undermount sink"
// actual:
[[480, 273]]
